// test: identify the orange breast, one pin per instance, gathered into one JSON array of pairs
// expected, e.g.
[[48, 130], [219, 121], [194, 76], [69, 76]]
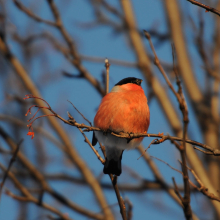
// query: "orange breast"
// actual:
[[124, 110]]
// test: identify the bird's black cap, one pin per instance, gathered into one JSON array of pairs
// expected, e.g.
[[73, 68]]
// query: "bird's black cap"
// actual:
[[129, 80]]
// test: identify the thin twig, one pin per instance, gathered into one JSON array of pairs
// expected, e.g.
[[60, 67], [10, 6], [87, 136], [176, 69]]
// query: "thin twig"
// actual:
[[107, 66], [119, 198], [9, 166], [203, 151], [183, 107], [152, 142], [80, 113], [159, 178], [184, 110], [159, 66], [208, 8], [130, 208], [31, 14], [29, 196], [176, 189], [88, 142], [202, 188], [173, 169], [167, 164]]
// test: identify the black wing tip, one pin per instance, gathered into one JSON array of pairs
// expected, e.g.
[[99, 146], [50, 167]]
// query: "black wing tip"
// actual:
[[94, 139]]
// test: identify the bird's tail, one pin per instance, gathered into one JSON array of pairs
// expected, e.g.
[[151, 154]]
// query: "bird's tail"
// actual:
[[113, 164]]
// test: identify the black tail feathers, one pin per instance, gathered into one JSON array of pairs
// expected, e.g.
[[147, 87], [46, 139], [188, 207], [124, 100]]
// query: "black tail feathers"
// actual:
[[113, 166]]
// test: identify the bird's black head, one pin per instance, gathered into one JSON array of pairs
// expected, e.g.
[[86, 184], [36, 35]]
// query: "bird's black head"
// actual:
[[129, 80]]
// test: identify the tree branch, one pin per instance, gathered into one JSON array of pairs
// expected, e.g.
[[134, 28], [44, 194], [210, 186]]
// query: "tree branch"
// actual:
[[208, 8]]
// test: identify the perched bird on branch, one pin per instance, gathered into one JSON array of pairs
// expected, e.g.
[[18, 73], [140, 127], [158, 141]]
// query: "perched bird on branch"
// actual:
[[124, 109]]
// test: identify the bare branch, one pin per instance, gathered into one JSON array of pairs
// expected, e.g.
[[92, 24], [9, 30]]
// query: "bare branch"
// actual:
[[119, 198], [86, 139], [43, 183], [9, 166], [31, 14], [208, 8], [31, 198], [107, 66], [202, 188], [128, 136], [184, 109]]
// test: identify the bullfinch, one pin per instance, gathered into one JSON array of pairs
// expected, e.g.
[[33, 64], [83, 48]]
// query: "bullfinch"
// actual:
[[124, 109]]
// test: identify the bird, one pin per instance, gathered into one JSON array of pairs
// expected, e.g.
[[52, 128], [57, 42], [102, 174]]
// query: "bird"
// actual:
[[123, 109]]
